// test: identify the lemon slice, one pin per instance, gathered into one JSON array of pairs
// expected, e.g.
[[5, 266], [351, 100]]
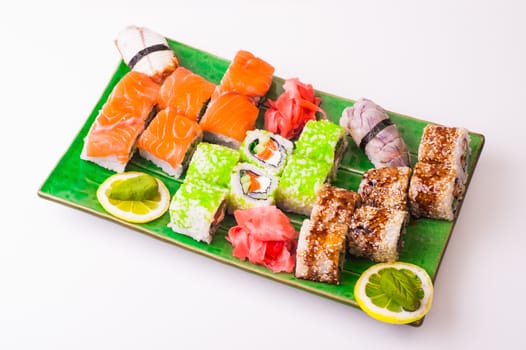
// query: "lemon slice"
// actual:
[[394, 292], [135, 211]]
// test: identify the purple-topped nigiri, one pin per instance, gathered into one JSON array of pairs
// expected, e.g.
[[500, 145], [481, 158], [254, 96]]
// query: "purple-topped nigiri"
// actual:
[[372, 130]]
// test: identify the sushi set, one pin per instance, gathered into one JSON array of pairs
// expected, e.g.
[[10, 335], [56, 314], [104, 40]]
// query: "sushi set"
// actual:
[[264, 173]]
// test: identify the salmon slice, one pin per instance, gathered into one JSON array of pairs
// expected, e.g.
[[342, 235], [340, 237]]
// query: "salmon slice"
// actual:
[[112, 136], [247, 75], [230, 116], [116, 140], [185, 93], [168, 141], [133, 97]]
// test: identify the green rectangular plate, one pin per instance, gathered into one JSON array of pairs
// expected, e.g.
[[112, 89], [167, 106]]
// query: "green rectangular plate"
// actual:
[[74, 182]]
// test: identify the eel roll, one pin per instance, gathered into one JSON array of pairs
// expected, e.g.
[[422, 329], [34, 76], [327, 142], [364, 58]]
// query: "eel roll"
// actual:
[[385, 187], [375, 233], [322, 240]]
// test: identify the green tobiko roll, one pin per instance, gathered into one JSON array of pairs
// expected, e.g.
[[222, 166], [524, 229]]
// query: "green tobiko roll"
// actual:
[[212, 164], [197, 209], [321, 140], [300, 181]]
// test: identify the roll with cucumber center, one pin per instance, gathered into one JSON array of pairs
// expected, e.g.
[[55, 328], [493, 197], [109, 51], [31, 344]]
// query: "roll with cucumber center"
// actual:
[[251, 187], [266, 150]]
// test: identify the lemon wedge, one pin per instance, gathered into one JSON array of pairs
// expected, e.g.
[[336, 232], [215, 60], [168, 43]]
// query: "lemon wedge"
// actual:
[[137, 209], [396, 292]]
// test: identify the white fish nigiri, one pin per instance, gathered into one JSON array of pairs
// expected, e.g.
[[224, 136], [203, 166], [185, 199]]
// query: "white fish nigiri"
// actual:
[[372, 130], [147, 52]]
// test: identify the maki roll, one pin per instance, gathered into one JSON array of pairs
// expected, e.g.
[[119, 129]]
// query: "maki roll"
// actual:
[[321, 244], [320, 252], [212, 164], [385, 187], [435, 191], [250, 187], [299, 183], [440, 175], [323, 141], [197, 209], [199, 205], [169, 142], [266, 150], [375, 233], [446, 145], [334, 205]]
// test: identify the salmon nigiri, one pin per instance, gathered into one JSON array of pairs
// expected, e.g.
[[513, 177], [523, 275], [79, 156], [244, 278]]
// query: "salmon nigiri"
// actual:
[[185, 93], [112, 137], [228, 118], [247, 75], [169, 141]]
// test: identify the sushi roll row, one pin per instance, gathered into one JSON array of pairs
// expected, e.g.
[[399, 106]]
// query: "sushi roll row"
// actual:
[[264, 170], [440, 175], [322, 240], [314, 161], [255, 179], [200, 203], [220, 179], [376, 228]]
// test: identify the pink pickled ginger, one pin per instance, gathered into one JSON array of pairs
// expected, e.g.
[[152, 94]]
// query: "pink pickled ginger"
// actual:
[[266, 237], [293, 109]]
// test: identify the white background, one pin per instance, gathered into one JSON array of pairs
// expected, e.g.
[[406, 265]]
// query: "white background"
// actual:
[[69, 280]]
